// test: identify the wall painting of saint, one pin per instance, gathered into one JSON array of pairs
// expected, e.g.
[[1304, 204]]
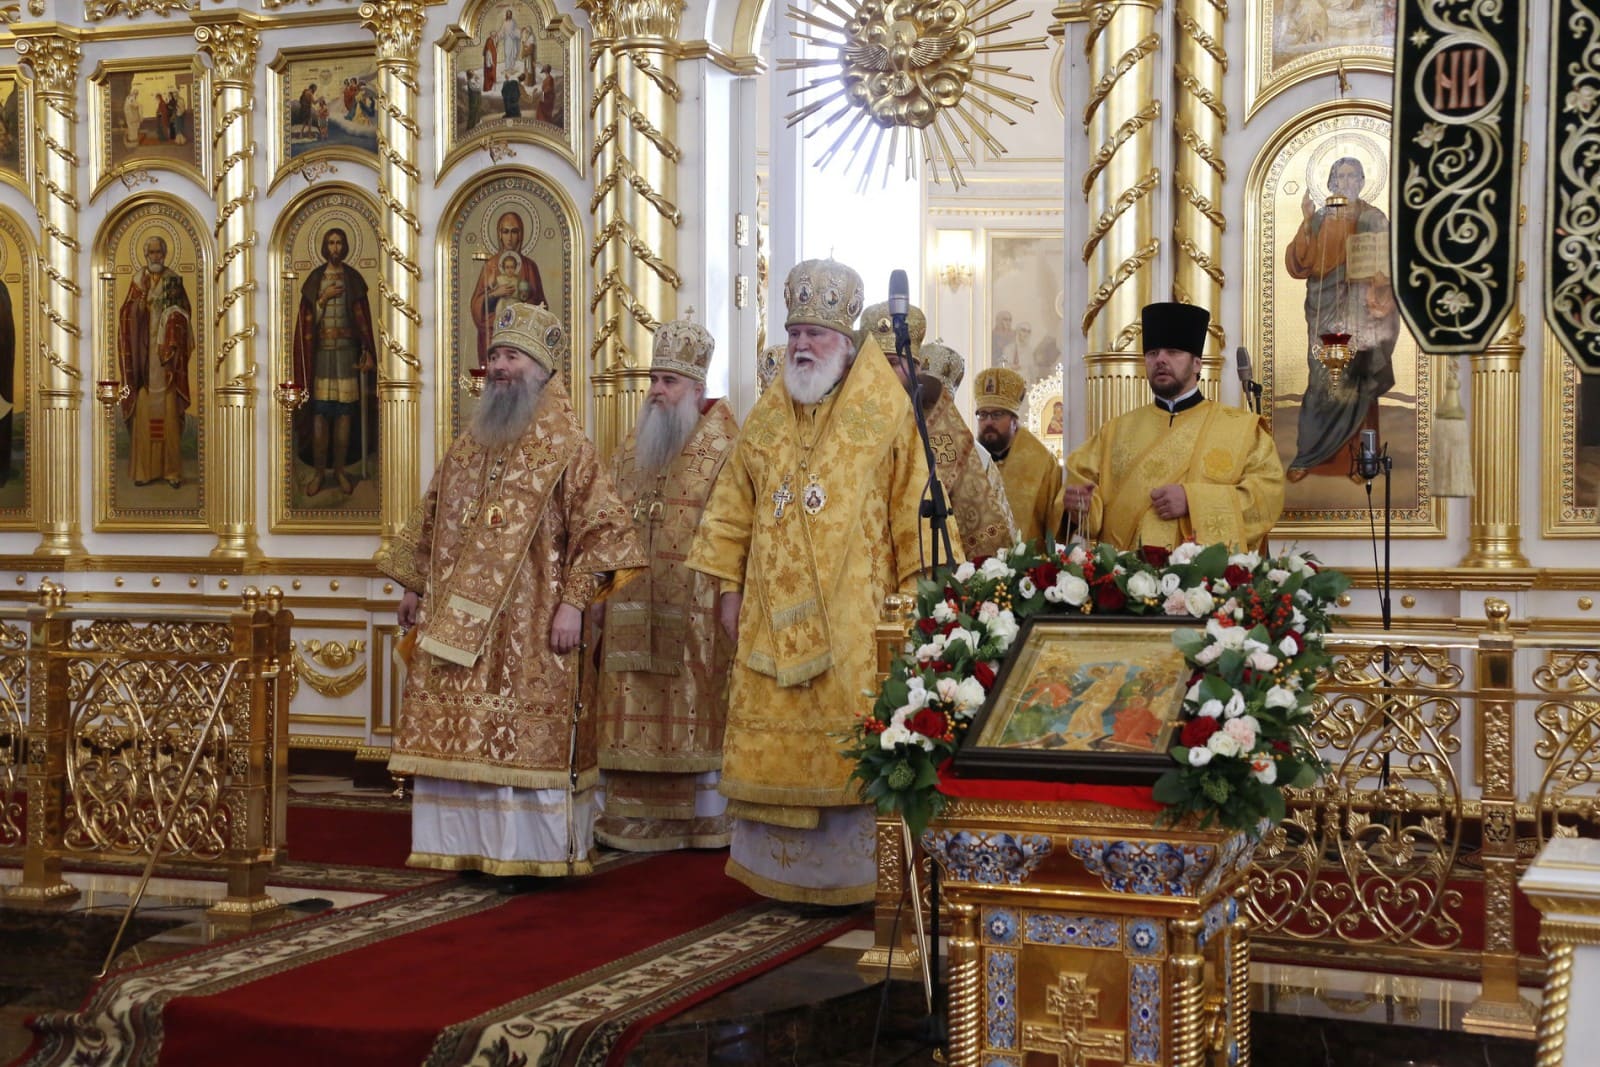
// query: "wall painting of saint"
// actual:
[[150, 114]]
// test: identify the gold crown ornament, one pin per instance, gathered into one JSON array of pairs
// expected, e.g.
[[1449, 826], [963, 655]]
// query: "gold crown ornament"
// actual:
[[682, 347], [824, 292], [769, 365], [1000, 388], [531, 329], [876, 321], [944, 363]]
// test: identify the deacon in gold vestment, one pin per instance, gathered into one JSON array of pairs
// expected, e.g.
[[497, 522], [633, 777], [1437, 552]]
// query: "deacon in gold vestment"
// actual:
[[1030, 470], [1181, 468], [518, 533], [972, 486], [813, 521], [664, 679]]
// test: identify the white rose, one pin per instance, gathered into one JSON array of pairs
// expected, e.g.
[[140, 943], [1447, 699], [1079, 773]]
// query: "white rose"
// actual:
[[1263, 661], [1297, 563], [1224, 744], [1003, 553], [994, 567], [959, 634], [969, 694], [1198, 601], [1208, 655], [1175, 604], [916, 700], [1078, 556], [1286, 648], [1074, 590], [947, 690], [1279, 697], [1170, 583], [1199, 755], [1277, 576], [1248, 560], [943, 612], [1003, 629], [1235, 705], [1193, 695], [1302, 596], [1211, 709], [1185, 553], [896, 734], [1265, 769], [987, 611], [1026, 589], [1142, 585], [1243, 730], [965, 572], [1229, 637], [933, 650], [1297, 620], [1119, 569], [1220, 587]]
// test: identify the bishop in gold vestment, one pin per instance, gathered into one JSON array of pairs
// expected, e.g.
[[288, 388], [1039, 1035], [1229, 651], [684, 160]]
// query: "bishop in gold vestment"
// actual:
[[518, 532], [1180, 468], [664, 658], [972, 484], [812, 522], [1031, 472]]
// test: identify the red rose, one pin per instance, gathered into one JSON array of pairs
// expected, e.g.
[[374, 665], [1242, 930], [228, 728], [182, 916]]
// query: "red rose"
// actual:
[[1196, 732], [1281, 746], [1236, 576], [1107, 597], [983, 673], [978, 561], [1155, 555], [939, 665], [1044, 575], [948, 627], [927, 626], [929, 723]]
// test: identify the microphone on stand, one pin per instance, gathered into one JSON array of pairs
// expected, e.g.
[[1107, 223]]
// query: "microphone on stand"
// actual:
[[1249, 391], [899, 308], [1368, 458]]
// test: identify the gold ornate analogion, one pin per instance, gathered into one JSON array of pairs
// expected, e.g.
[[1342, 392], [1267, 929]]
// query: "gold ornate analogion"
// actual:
[[1122, 120], [231, 442], [54, 60], [634, 109], [397, 26], [911, 65]]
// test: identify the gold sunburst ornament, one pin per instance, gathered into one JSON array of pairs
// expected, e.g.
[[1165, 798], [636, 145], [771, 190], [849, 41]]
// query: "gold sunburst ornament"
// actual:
[[913, 65]]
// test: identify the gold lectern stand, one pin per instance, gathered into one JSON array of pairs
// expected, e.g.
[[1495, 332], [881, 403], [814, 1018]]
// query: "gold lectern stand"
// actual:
[[1080, 935]]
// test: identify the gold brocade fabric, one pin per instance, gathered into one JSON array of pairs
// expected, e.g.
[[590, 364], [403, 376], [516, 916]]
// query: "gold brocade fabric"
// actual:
[[782, 742], [1223, 457], [1033, 486], [508, 717], [663, 690], [975, 489]]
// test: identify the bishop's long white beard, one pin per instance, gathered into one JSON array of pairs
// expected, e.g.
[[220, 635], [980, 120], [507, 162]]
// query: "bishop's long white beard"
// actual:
[[663, 431], [505, 411], [809, 384]]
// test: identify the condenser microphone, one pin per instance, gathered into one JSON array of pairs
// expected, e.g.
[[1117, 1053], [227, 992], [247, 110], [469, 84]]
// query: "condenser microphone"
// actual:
[[899, 308], [1247, 385], [1367, 455]]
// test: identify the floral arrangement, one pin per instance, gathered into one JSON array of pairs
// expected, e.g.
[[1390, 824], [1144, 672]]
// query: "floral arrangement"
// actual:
[[1254, 665]]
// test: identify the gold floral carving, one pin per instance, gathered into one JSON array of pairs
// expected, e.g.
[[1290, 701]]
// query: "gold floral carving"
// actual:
[[397, 27], [1124, 271], [320, 168], [1124, 65], [95, 10], [232, 47], [1107, 151], [10, 13], [333, 655], [132, 179], [1129, 197], [499, 150]]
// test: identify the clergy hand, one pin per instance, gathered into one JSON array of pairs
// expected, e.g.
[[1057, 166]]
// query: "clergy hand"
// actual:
[[1170, 501], [566, 628], [1076, 498], [406, 616], [728, 611]]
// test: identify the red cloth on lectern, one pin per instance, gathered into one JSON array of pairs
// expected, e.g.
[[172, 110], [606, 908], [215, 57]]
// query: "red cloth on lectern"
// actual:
[[1133, 797]]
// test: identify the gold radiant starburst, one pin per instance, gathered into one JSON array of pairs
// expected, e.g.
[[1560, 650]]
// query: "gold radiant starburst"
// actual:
[[911, 65]]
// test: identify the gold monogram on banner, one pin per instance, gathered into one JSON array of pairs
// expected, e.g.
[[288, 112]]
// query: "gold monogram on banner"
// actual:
[[911, 65]]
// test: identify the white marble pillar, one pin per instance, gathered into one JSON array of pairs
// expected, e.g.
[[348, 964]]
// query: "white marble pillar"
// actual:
[[1564, 884]]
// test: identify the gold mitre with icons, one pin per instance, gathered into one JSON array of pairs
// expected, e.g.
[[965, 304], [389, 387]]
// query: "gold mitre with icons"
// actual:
[[999, 389], [824, 292], [532, 329], [682, 347], [877, 322], [944, 363], [769, 364]]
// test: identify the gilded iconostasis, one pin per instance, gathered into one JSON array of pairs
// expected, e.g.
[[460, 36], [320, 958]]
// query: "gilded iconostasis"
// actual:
[[249, 254]]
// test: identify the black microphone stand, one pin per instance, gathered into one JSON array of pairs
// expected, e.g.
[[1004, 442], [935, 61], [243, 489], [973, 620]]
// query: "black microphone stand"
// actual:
[[1370, 466], [937, 511]]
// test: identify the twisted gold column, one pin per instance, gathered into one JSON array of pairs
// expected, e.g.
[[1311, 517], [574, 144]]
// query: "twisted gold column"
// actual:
[[53, 60], [1557, 999], [230, 437], [965, 985], [397, 26], [1198, 170], [1494, 539], [1187, 1014], [1238, 963], [634, 60], [1122, 122]]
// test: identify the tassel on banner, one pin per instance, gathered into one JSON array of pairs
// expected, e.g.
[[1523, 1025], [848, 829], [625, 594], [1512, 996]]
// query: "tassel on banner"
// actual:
[[1451, 451]]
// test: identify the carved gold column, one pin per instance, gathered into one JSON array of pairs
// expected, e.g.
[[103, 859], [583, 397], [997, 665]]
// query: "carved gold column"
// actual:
[[232, 45], [634, 60], [1122, 119], [1198, 170], [397, 26], [53, 59], [1494, 539]]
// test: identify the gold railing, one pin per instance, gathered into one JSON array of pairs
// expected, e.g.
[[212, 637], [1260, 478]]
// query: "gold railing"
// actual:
[[100, 712], [1407, 853]]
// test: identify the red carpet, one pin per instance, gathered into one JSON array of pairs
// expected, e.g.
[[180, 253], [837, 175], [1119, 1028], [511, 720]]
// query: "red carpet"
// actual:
[[448, 974]]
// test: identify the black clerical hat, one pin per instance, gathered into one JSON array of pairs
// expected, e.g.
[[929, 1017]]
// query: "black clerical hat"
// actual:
[[1180, 326]]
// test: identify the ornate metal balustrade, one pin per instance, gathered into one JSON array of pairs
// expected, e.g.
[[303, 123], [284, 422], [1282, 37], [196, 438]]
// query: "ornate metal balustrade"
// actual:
[[100, 714], [1452, 757]]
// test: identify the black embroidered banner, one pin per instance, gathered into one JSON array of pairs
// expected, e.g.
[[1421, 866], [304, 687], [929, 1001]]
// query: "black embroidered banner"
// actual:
[[1572, 235], [1457, 153]]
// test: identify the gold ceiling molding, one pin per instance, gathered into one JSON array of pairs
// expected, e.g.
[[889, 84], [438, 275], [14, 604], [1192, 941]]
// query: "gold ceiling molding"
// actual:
[[96, 10], [911, 66]]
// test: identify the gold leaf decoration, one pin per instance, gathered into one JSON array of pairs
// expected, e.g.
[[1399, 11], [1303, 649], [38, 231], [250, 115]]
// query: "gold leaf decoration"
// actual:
[[334, 655], [909, 65]]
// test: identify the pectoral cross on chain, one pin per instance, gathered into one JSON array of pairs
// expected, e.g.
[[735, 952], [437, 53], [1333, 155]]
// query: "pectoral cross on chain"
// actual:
[[781, 499]]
